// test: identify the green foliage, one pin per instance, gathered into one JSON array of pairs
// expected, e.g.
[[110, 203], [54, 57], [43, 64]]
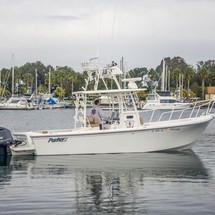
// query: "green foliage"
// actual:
[[195, 88], [188, 94], [42, 89], [137, 72], [192, 94], [69, 80], [175, 74], [4, 93], [211, 78], [189, 74], [22, 89], [59, 92], [203, 73], [142, 95], [28, 79]]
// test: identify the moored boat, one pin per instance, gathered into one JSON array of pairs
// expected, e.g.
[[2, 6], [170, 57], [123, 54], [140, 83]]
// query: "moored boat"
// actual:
[[123, 132], [16, 103], [163, 101]]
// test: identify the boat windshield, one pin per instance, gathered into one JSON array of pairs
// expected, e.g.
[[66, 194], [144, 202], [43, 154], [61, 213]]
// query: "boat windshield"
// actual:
[[150, 97], [168, 101], [163, 93], [14, 101]]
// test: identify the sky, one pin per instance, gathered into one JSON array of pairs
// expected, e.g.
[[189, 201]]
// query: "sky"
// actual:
[[68, 32]]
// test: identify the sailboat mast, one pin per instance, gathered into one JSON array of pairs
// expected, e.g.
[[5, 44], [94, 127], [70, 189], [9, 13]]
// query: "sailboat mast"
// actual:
[[0, 78], [166, 78], [12, 70], [163, 77], [12, 90], [49, 80], [36, 81]]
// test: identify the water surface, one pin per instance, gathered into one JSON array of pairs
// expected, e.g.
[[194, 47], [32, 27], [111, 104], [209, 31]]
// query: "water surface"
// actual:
[[137, 183]]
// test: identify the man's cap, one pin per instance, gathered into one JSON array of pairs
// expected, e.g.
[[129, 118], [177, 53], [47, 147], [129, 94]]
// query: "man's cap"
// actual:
[[96, 101]]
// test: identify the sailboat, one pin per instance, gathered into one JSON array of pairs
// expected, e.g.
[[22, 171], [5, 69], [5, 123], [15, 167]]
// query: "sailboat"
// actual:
[[46, 100], [15, 102]]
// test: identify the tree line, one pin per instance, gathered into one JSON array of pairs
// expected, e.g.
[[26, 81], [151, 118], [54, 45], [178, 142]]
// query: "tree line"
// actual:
[[194, 79], [64, 80]]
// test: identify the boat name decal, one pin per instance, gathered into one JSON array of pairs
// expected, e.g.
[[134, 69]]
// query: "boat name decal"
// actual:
[[58, 139], [165, 129], [161, 130]]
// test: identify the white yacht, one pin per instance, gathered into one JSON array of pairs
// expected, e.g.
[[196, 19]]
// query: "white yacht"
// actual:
[[164, 101], [16, 103], [129, 132]]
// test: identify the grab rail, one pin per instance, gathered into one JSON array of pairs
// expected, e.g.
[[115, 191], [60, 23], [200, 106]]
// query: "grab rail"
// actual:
[[197, 107], [191, 112]]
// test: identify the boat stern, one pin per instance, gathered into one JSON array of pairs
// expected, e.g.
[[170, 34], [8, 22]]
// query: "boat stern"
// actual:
[[23, 144]]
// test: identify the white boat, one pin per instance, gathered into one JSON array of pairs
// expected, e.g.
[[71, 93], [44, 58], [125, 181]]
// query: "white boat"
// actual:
[[16, 103], [164, 101], [47, 101], [126, 132]]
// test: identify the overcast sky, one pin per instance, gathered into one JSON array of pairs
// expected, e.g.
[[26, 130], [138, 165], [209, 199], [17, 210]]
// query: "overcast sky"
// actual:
[[67, 32]]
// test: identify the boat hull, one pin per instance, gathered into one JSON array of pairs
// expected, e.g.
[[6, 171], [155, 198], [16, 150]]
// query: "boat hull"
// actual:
[[160, 137]]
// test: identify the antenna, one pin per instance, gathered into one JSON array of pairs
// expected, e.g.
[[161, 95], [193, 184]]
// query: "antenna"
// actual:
[[99, 35], [113, 27]]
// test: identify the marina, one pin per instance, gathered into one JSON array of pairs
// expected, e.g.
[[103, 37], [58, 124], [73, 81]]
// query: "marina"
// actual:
[[107, 107], [124, 131]]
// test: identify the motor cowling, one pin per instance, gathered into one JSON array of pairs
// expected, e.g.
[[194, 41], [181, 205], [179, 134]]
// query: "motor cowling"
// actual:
[[6, 139]]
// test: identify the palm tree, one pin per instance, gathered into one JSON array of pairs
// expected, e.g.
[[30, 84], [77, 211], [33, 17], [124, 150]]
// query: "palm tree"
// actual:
[[52, 79], [211, 78], [189, 73], [152, 74], [42, 89], [28, 79], [72, 78], [203, 72], [60, 76], [176, 73]]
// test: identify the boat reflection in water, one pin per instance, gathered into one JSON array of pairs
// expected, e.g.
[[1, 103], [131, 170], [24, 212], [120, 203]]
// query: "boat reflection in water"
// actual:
[[109, 183]]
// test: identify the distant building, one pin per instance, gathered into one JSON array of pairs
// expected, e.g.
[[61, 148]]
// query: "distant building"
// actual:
[[211, 93]]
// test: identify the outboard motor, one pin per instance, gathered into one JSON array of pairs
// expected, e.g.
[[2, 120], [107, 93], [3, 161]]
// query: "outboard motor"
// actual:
[[6, 140]]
